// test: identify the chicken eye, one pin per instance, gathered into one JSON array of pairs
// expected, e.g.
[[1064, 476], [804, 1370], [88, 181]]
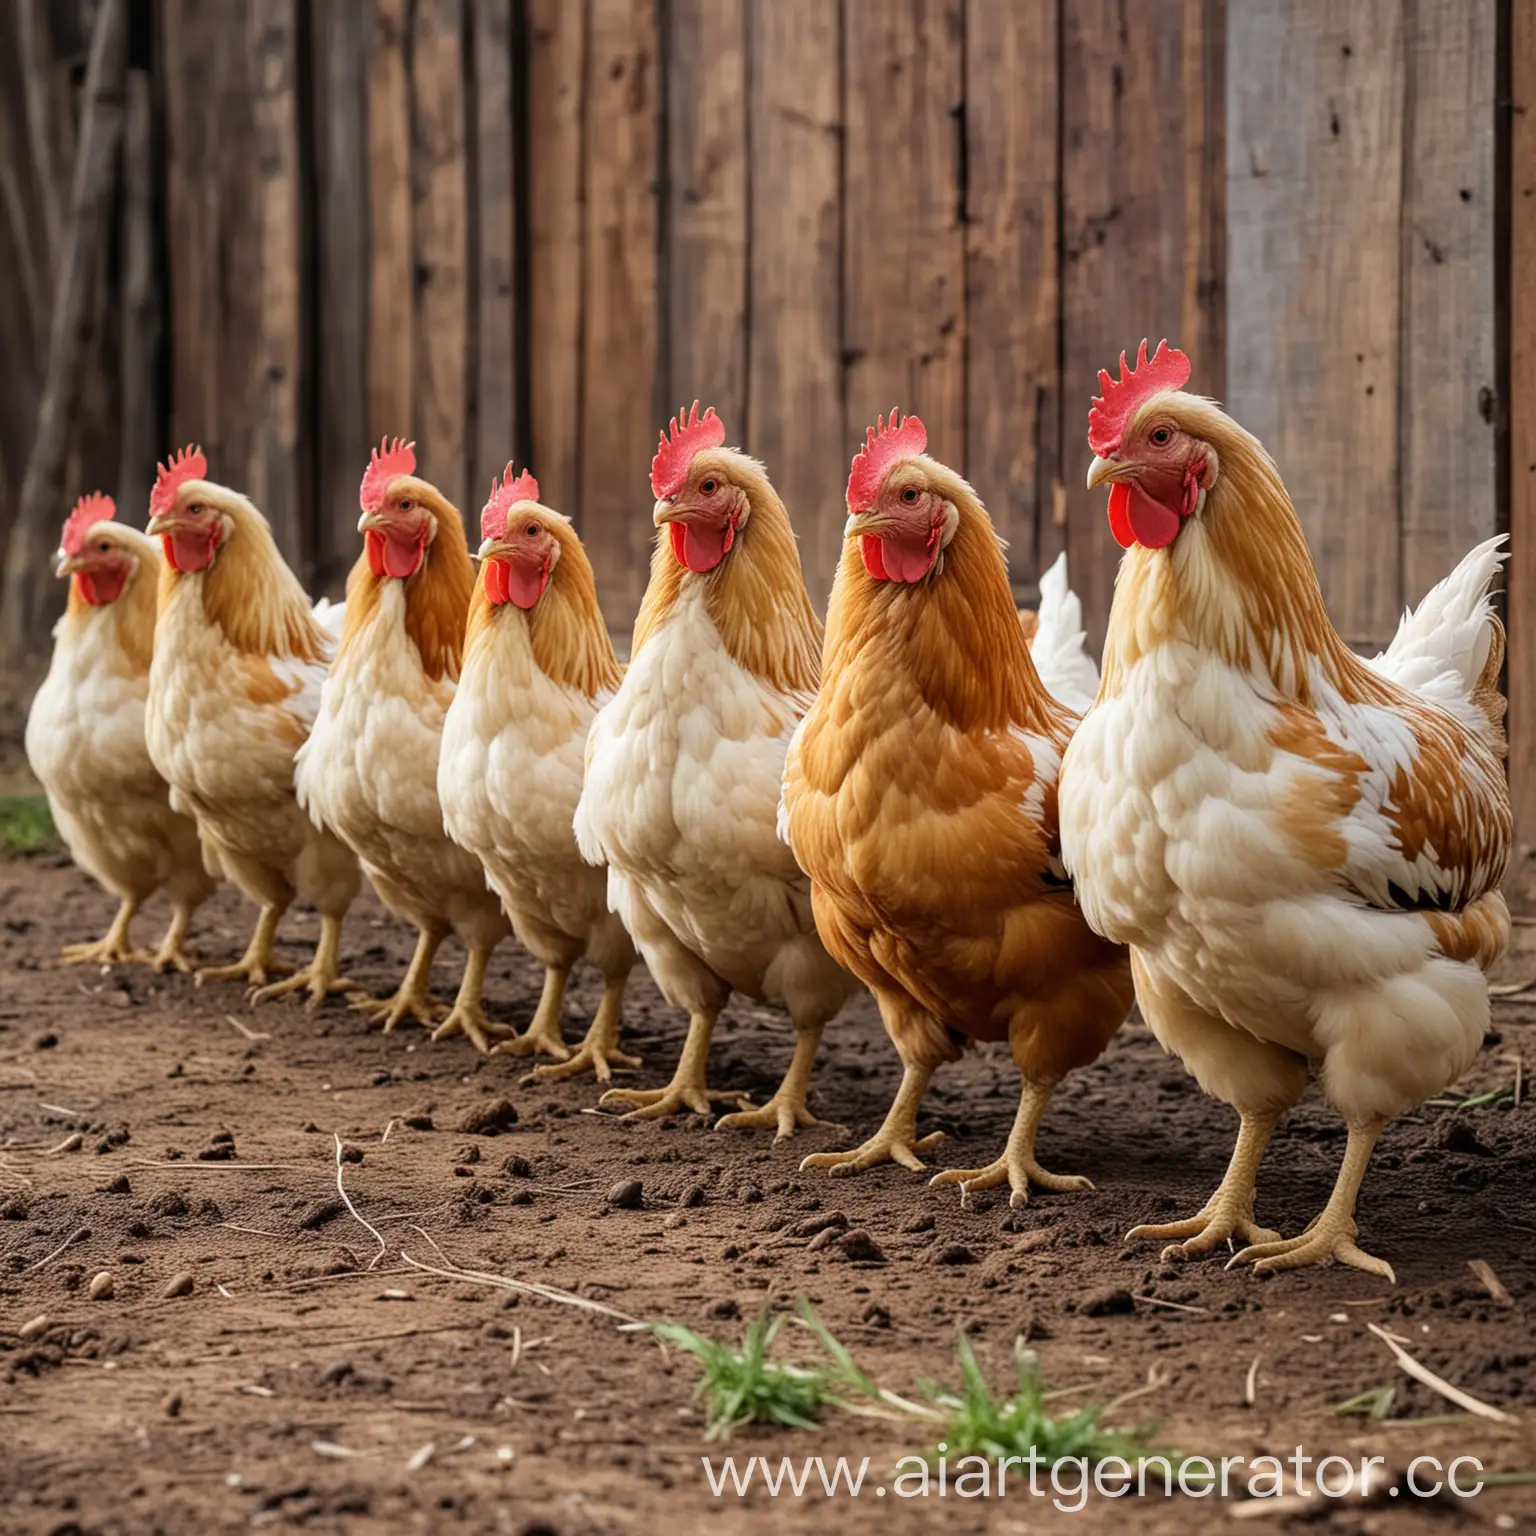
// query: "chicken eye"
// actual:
[[910, 495], [709, 486], [531, 531], [102, 546], [195, 510], [1160, 437], [405, 503]]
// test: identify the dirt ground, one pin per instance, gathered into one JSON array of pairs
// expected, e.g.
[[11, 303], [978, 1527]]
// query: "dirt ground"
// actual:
[[155, 1130]]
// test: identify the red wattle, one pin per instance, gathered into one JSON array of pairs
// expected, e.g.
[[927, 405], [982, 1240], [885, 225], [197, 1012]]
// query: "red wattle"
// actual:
[[1137, 518], [874, 556], [391, 556], [526, 581], [187, 551], [497, 586], [701, 546], [1119, 515], [100, 587]]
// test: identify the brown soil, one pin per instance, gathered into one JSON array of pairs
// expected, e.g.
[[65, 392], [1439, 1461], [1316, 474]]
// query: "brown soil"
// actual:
[[220, 1410]]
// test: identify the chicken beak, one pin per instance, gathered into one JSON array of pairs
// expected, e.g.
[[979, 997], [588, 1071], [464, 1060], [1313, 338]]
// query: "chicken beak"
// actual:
[[488, 547], [370, 522], [665, 512], [1102, 469], [858, 524], [65, 565]]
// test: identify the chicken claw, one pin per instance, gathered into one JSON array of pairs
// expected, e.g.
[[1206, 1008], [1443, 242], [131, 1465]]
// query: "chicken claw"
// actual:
[[896, 1141], [113, 948], [786, 1109], [598, 1053], [467, 1017], [256, 964], [1331, 1238], [689, 1088], [320, 978], [172, 951], [1229, 1212], [543, 1034], [413, 998], [1017, 1165]]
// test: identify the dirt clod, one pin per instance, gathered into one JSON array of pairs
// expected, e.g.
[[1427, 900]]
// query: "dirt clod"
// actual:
[[181, 1284], [102, 1286], [859, 1247], [322, 1211], [489, 1119], [627, 1195], [1112, 1302], [955, 1253]]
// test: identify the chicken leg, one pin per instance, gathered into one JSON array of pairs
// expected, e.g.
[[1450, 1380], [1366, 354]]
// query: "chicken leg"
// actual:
[[1017, 1165], [112, 948], [172, 950], [689, 1088], [896, 1141], [786, 1109], [466, 1016], [599, 1052], [321, 977], [256, 964], [413, 998], [1229, 1212], [1331, 1237], [544, 1033]]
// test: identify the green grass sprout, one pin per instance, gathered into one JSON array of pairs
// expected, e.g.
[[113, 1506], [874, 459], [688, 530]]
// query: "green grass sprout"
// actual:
[[25, 823]]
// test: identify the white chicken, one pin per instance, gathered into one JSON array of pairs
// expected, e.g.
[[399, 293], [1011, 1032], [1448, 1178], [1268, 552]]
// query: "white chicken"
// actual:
[[1302, 849], [85, 738]]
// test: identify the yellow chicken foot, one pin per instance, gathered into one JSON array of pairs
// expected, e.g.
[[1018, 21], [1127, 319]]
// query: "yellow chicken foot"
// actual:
[[689, 1088], [112, 948], [1017, 1165], [172, 951], [599, 1052], [256, 964], [1331, 1238], [544, 1033], [467, 1017], [320, 978], [896, 1141], [786, 1109], [413, 998], [1229, 1212]]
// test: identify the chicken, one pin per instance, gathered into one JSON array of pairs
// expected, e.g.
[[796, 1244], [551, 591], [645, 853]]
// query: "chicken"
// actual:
[[684, 766], [85, 738], [369, 769], [233, 690], [538, 664], [1301, 848], [920, 797]]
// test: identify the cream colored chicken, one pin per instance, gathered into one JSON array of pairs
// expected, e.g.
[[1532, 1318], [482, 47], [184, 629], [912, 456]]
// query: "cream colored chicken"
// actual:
[[684, 767], [538, 665], [369, 769], [85, 739], [1302, 849], [233, 689]]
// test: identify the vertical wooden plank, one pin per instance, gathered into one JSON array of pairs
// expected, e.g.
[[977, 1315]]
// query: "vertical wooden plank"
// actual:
[[340, 120], [142, 321], [391, 274], [1138, 175], [795, 420], [705, 340], [620, 403], [495, 255], [556, 55], [1521, 606], [440, 216], [1315, 189], [904, 323], [1013, 382], [1449, 494]]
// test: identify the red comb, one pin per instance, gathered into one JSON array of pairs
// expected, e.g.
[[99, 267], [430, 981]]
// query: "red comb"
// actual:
[[170, 476], [686, 436], [387, 462], [883, 445], [1168, 369], [505, 493], [88, 511]]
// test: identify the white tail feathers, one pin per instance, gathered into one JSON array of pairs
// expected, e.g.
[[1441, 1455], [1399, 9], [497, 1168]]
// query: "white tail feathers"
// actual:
[[330, 616], [1059, 648], [1442, 647]]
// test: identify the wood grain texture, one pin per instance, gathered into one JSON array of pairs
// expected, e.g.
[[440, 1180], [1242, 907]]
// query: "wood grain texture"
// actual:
[[1013, 383], [556, 234], [1449, 459], [440, 215], [1521, 572], [142, 333], [1315, 197], [391, 269], [705, 221], [342, 266], [494, 221], [904, 326], [620, 402], [795, 419], [1141, 164]]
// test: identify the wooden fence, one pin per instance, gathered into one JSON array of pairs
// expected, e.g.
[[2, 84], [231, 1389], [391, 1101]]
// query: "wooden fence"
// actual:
[[533, 228]]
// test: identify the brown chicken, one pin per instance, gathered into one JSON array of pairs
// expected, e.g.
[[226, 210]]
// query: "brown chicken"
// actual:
[[920, 797]]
